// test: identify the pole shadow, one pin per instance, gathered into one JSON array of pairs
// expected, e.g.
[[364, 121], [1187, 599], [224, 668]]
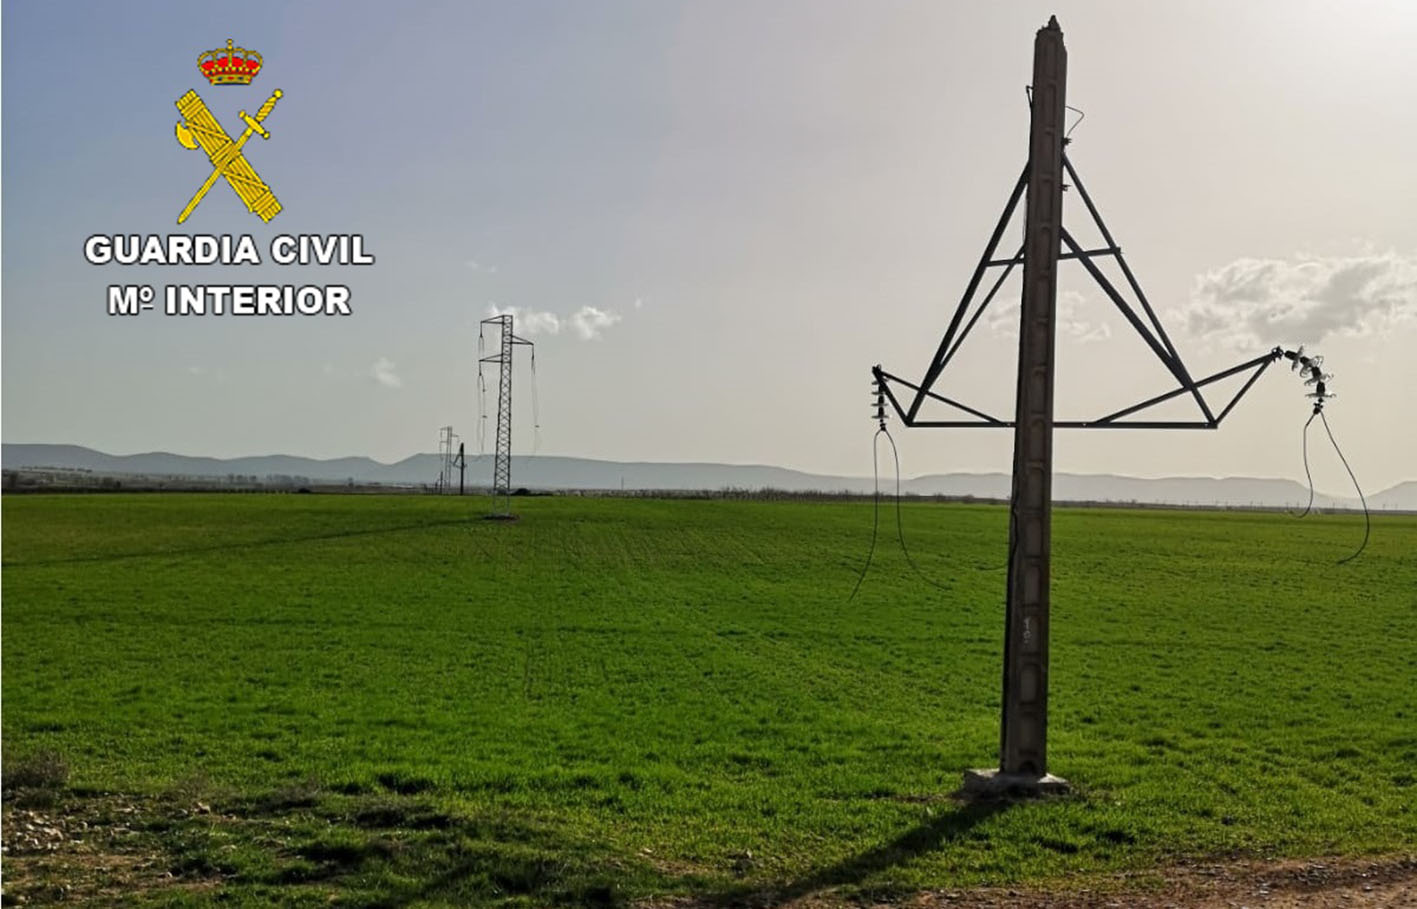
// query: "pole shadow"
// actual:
[[918, 841]]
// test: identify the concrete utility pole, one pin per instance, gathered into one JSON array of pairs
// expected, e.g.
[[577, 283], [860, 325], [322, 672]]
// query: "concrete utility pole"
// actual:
[[1023, 732], [1023, 737]]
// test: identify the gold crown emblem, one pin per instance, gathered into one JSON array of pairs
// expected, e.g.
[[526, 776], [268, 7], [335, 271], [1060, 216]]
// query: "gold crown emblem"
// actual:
[[229, 65]]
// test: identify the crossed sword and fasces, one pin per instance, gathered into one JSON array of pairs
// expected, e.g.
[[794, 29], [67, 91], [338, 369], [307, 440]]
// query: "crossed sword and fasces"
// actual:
[[199, 128]]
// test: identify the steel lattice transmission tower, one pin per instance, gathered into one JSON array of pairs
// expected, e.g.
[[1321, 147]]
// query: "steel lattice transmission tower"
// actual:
[[502, 459], [447, 459]]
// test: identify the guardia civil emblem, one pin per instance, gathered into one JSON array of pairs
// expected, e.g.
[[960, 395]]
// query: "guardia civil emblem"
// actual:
[[198, 128]]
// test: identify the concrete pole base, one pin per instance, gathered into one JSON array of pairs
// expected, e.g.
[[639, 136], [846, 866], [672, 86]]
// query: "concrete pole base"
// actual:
[[995, 784]]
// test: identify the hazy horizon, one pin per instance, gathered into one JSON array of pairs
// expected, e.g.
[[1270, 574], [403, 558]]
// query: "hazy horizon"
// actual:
[[887, 475]]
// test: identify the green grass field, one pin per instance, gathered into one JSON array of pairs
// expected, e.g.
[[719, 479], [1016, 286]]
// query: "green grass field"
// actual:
[[386, 703]]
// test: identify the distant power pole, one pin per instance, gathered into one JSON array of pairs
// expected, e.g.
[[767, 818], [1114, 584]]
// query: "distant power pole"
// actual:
[[502, 458], [446, 459]]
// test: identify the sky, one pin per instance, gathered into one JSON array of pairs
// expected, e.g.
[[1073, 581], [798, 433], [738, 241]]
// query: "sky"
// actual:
[[712, 218]]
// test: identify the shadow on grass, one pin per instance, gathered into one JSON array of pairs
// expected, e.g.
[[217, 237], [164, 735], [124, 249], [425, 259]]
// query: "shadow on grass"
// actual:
[[918, 841], [524, 864], [390, 850]]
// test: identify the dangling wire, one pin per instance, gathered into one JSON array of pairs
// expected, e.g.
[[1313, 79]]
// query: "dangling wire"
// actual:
[[879, 402], [1307, 475], [875, 511], [481, 399], [880, 417], [899, 524], [535, 408], [481, 412], [1367, 518], [1310, 368]]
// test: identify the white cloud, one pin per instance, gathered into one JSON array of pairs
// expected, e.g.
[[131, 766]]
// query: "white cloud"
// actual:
[[481, 266], [1003, 317], [383, 373], [528, 321], [588, 322], [1263, 302]]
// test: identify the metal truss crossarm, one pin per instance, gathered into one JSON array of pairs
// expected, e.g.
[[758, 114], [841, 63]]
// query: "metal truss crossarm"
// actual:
[[886, 378], [1132, 282], [969, 326], [937, 363], [1161, 352], [1111, 421]]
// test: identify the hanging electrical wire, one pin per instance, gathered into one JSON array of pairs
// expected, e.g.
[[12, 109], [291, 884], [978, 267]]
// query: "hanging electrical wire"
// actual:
[[481, 397], [1311, 369], [899, 525], [880, 417], [1308, 476], [875, 508], [535, 408], [481, 412], [1367, 518]]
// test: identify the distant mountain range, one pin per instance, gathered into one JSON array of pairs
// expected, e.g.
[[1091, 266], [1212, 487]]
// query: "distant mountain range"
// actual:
[[545, 472]]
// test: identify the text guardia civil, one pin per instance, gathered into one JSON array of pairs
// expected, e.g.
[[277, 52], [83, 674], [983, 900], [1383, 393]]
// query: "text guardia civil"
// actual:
[[225, 249]]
